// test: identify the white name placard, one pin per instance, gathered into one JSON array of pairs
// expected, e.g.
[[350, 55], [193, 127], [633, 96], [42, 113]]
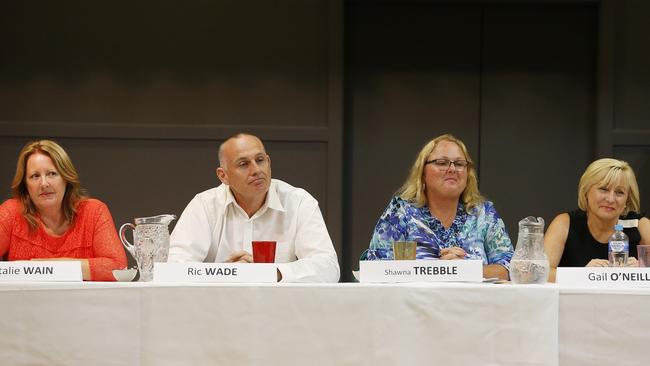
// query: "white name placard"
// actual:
[[41, 271], [215, 272], [611, 277], [421, 271]]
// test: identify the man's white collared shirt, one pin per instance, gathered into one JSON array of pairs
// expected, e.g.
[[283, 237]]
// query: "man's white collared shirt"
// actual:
[[213, 227]]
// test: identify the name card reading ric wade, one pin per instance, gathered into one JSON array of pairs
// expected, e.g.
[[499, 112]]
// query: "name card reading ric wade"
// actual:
[[421, 271], [41, 271], [215, 272], [610, 277]]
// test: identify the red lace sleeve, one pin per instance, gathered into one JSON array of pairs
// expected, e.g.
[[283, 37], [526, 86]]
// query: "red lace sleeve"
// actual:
[[7, 214], [108, 250]]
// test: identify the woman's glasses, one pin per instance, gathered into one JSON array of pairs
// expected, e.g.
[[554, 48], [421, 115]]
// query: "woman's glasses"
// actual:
[[444, 164]]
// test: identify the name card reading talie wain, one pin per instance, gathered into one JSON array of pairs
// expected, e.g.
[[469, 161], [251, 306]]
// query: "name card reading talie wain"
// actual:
[[421, 271], [215, 272], [610, 277], [41, 271]]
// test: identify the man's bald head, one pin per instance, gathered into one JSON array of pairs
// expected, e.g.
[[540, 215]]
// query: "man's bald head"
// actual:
[[224, 145]]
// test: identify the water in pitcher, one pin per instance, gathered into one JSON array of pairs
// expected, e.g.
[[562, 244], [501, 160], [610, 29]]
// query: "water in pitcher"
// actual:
[[151, 245], [144, 254], [529, 271], [161, 239]]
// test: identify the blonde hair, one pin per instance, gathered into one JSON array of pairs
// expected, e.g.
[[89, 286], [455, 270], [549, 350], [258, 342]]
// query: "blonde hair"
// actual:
[[73, 191], [413, 190], [607, 172]]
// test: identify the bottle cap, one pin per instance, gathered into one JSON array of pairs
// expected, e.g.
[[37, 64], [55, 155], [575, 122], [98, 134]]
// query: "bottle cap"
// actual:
[[618, 227]]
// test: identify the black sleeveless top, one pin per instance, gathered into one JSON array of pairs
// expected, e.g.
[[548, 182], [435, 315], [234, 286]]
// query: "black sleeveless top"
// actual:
[[581, 247]]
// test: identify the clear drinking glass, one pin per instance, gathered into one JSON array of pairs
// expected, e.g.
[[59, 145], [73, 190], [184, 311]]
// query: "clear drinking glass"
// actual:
[[404, 250]]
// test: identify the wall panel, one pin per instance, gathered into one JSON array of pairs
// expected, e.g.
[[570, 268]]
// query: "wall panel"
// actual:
[[632, 70], [630, 126], [538, 108], [158, 62]]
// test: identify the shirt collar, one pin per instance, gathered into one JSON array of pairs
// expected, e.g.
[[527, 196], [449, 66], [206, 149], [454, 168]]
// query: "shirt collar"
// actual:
[[272, 200], [230, 198]]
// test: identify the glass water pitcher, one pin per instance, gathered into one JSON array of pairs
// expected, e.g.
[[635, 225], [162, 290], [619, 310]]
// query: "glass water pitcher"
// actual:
[[150, 242], [529, 264]]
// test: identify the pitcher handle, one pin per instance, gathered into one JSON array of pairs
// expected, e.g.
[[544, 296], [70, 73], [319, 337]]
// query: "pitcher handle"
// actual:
[[123, 239]]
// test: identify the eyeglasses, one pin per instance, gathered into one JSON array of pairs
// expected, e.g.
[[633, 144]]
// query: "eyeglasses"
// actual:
[[444, 164]]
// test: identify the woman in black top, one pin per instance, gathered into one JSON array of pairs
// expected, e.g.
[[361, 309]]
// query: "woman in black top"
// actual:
[[607, 194]]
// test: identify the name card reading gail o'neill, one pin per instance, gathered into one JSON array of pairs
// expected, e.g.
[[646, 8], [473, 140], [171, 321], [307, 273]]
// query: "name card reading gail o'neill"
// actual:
[[611, 277], [41, 271], [215, 272], [421, 271]]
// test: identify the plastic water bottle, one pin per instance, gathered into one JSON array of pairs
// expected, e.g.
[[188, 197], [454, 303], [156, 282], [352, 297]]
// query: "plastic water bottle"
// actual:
[[619, 247]]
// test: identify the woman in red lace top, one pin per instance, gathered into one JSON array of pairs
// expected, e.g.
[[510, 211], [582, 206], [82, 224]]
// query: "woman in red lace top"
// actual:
[[50, 217]]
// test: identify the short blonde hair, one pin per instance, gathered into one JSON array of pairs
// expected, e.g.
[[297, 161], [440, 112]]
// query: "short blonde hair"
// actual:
[[413, 190], [73, 191], [607, 172]]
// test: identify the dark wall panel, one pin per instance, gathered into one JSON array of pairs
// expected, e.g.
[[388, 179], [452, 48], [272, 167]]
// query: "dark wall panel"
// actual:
[[412, 73], [632, 65], [630, 126], [161, 62], [538, 108]]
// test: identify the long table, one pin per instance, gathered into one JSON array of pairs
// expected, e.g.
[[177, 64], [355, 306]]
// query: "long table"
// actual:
[[276, 324], [331, 324]]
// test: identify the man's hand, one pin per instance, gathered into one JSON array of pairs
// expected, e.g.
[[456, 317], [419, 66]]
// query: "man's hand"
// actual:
[[240, 257]]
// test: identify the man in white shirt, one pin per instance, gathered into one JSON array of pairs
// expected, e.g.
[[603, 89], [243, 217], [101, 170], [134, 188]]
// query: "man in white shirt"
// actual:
[[219, 224]]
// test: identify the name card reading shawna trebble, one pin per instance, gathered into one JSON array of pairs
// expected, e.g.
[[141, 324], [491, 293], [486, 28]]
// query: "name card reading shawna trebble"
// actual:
[[610, 277], [41, 271], [421, 271], [215, 272]]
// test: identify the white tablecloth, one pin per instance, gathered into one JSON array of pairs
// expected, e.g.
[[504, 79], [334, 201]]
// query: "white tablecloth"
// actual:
[[604, 327], [337, 324]]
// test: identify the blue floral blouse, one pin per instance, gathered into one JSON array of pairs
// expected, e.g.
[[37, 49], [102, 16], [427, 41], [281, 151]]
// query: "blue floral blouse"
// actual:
[[482, 233]]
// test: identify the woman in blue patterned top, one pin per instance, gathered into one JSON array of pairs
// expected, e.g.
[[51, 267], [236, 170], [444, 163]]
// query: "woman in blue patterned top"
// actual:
[[440, 207]]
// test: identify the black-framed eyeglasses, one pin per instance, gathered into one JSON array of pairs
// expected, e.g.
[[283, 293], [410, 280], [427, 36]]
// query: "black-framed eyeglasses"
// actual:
[[444, 164]]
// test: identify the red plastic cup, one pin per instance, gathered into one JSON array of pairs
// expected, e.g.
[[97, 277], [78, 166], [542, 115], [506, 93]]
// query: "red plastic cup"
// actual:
[[263, 252]]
